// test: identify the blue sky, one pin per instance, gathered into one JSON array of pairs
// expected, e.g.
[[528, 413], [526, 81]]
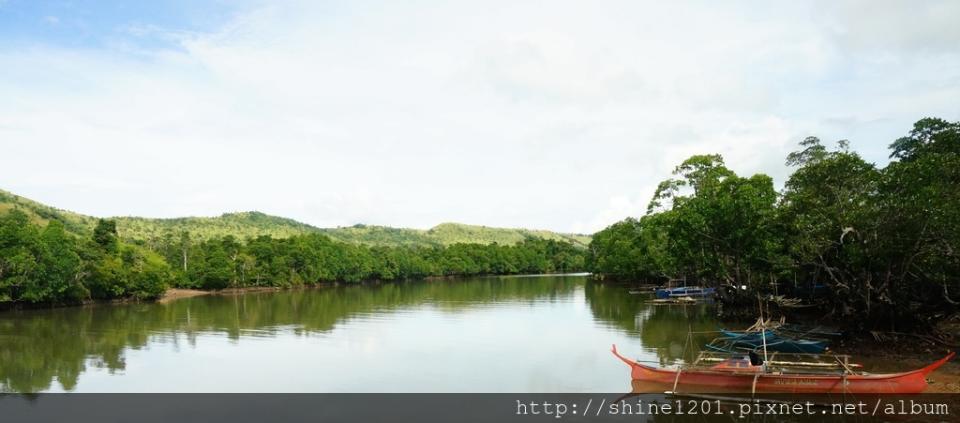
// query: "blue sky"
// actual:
[[558, 115], [102, 24]]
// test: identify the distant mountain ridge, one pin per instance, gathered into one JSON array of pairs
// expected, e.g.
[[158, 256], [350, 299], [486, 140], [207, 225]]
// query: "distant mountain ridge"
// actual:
[[252, 224]]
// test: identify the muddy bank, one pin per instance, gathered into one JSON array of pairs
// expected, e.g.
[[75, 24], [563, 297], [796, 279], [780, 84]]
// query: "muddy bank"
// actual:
[[178, 293], [173, 294], [908, 353]]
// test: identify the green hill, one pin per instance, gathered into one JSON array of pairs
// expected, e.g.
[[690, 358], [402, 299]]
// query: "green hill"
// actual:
[[41, 214], [252, 224], [240, 225], [452, 233], [446, 234]]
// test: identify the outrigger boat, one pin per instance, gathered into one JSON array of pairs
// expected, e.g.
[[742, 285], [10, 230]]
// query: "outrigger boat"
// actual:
[[741, 373]]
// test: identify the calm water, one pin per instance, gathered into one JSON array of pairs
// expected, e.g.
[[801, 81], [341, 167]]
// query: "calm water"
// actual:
[[509, 334]]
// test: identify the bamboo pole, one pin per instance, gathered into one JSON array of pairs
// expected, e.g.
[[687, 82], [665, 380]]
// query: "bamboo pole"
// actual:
[[763, 332], [788, 363]]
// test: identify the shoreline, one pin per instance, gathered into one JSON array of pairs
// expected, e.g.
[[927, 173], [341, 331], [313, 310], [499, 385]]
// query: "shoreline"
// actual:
[[173, 294], [880, 358]]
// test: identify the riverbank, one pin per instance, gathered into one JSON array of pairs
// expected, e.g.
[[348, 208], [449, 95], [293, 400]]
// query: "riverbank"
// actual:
[[170, 295], [898, 355], [886, 351], [173, 294], [178, 293]]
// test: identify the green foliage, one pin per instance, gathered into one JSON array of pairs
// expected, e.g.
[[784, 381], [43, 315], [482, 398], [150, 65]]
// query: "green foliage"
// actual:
[[883, 241], [41, 214], [49, 255], [50, 265], [154, 233], [456, 233], [930, 137], [633, 249], [149, 275], [314, 258], [713, 226], [61, 264], [216, 269], [20, 249], [828, 214], [239, 225], [105, 235]]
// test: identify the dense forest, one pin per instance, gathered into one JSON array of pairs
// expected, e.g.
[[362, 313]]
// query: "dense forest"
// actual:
[[877, 243], [46, 264]]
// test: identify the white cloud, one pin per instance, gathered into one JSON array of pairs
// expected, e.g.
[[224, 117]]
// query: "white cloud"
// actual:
[[550, 115]]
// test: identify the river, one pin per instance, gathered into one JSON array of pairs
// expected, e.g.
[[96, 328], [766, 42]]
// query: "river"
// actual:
[[490, 334]]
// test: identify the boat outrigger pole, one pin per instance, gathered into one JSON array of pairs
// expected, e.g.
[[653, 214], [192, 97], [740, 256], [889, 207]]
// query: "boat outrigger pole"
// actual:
[[763, 332]]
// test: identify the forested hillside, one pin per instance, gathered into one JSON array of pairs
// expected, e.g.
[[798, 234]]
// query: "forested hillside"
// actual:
[[446, 234], [253, 224], [453, 233], [42, 214], [878, 246], [55, 256], [46, 264]]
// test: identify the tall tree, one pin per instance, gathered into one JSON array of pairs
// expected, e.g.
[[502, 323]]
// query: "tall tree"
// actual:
[[829, 212], [105, 234]]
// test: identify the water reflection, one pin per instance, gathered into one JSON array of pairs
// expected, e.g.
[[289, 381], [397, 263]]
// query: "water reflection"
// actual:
[[662, 328], [41, 347]]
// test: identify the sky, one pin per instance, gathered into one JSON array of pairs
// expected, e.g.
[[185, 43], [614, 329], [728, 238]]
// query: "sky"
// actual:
[[560, 115]]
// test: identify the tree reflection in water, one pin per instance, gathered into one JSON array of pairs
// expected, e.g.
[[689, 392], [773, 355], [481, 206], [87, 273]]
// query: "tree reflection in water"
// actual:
[[40, 347]]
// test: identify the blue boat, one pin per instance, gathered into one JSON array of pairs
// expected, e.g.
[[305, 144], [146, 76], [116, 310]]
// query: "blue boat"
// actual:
[[685, 291]]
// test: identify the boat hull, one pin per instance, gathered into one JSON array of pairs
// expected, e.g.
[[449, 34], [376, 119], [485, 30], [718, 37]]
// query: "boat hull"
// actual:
[[702, 380]]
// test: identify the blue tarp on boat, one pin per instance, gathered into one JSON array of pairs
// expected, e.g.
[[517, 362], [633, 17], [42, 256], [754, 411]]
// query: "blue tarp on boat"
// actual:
[[685, 291]]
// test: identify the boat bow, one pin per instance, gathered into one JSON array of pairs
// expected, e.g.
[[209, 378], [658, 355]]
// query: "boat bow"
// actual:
[[936, 364], [629, 362]]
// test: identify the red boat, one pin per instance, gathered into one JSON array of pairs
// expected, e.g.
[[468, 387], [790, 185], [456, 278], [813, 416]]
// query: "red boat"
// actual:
[[738, 374]]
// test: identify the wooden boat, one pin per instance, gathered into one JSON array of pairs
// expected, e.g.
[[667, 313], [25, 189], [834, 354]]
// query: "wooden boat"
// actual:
[[740, 375]]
